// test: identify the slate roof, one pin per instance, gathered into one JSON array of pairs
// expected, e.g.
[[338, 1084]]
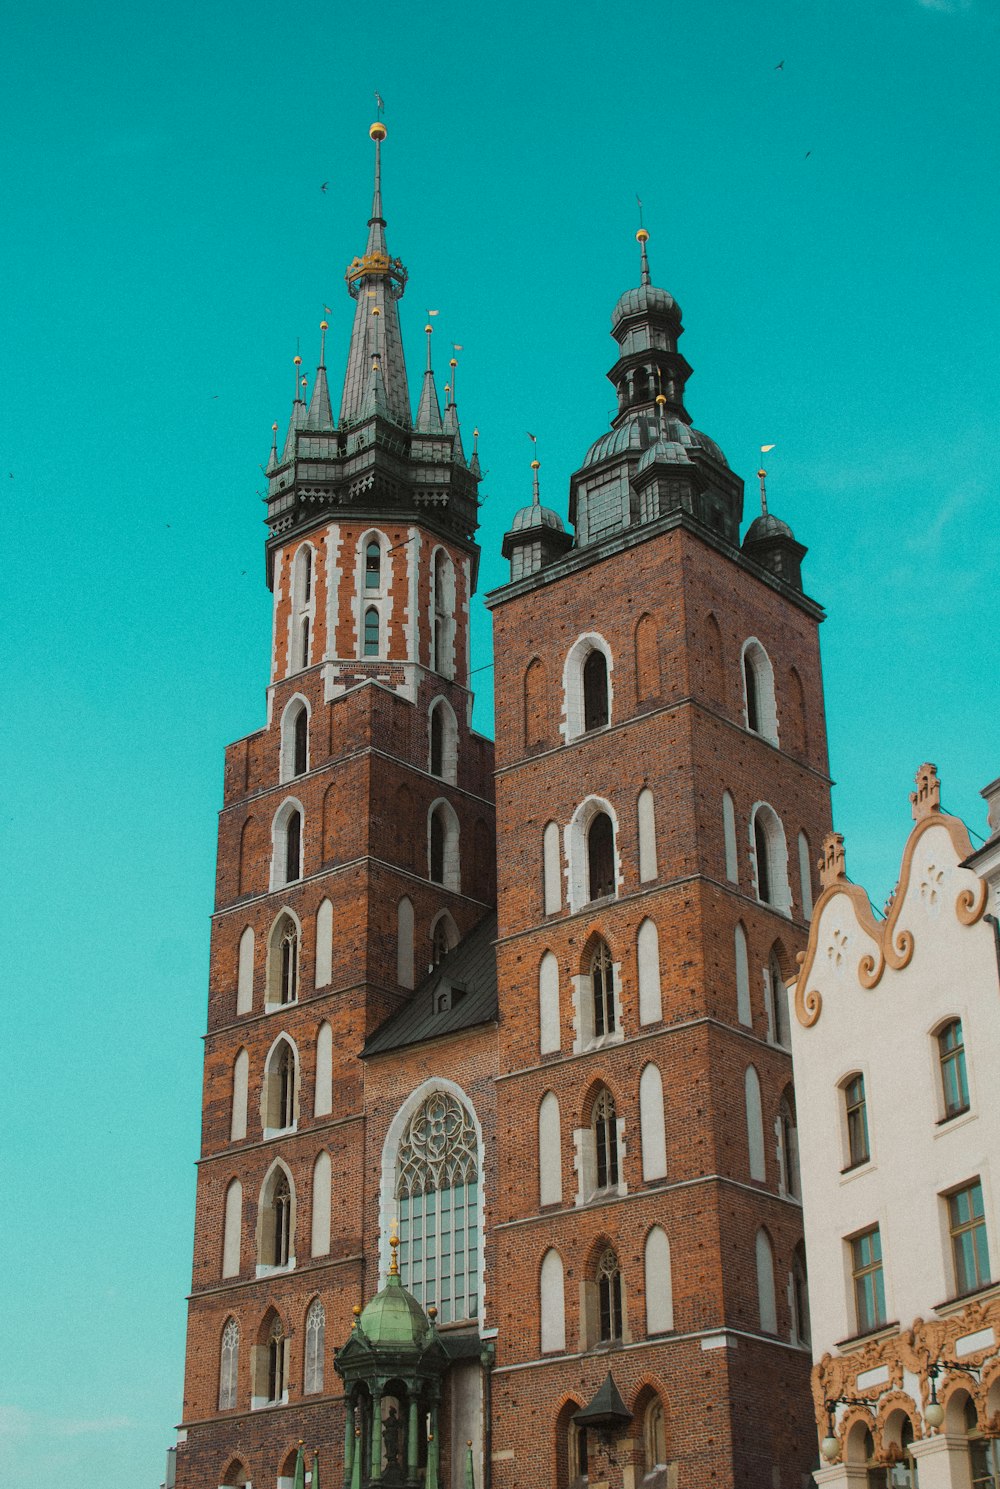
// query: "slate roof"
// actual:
[[468, 973]]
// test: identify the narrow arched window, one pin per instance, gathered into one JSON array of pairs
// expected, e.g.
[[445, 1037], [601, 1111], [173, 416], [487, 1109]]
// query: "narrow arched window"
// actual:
[[437, 1194], [551, 870], [232, 1229], [788, 1145], [307, 575], [440, 941], [300, 763], [609, 1291], [552, 1300], [779, 1007], [315, 1347], [404, 943], [652, 1125], [279, 1104], [275, 1362], [437, 848], [244, 972], [766, 1301], [659, 1288], [602, 990], [371, 632], [763, 862], [373, 565], [595, 691], [753, 697], [605, 1126], [323, 1096], [800, 1296], [440, 613], [549, 1151], [281, 1219], [601, 857], [304, 642], [755, 1125], [288, 961], [229, 1366], [286, 1088], [238, 1114], [293, 847], [437, 742]]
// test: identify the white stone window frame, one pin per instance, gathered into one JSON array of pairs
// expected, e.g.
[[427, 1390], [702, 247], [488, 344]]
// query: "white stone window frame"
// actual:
[[753, 654], [313, 1357], [289, 715], [279, 842], [585, 1156], [777, 1014], [266, 1269], [584, 1037], [263, 1403], [777, 857], [372, 599], [449, 741], [443, 917], [451, 877], [387, 1186], [572, 725], [575, 847], [272, 968], [271, 1132], [300, 608], [443, 665], [552, 869]]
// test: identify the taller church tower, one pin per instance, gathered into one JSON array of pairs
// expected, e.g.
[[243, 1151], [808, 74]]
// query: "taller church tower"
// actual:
[[356, 847], [662, 789]]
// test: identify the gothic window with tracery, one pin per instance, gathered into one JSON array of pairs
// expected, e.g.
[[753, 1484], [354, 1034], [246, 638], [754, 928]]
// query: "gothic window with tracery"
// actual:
[[276, 1362], [609, 1289], [229, 1365], [315, 1344], [288, 971], [605, 1123], [437, 1195], [603, 990]]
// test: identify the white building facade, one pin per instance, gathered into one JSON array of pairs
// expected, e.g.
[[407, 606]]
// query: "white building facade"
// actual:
[[896, 1046]]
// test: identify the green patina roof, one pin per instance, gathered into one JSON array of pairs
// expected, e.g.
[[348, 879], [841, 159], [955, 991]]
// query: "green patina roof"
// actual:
[[394, 1318]]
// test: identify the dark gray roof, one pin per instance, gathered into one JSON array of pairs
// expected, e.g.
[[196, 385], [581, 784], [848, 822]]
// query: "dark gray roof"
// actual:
[[467, 978]]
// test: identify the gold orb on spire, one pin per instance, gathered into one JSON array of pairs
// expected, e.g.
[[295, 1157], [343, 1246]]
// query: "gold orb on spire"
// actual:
[[642, 236], [535, 464], [377, 131], [297, 361], [323, 326]]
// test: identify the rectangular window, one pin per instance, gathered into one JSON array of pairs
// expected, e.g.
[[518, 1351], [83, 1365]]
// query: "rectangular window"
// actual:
[[857, 1120], [954, 1082], [869, 1288], [968, 1238]]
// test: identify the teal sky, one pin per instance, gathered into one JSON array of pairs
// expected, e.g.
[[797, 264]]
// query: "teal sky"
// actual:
[[829, 228]]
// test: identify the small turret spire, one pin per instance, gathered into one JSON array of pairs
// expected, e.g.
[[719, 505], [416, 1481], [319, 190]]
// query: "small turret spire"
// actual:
[[376, 222], [762, 478], [536, 500], [429, 412], [642, 238], [320, 415]]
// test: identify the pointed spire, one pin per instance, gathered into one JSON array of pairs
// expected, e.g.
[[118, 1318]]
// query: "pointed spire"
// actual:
[[298, 416], [762, 478], [376, 222], [272, 459], [536, 500], [642, 238], [429, 412], [474, 462], [320, 415]]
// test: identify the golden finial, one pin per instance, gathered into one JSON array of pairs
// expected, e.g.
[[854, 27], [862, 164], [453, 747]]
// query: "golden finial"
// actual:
[[377, 131], [642, 236], [432, 1313], [297, 360], [453, 364], [323, 328], [394, 1248], [356, 1310]]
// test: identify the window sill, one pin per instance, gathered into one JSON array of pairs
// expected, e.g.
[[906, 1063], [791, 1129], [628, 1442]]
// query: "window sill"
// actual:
[[277, 1007], [955, 1119], [261, 1403], [855, 1342], [269, 1271], [272, 1132], [960, 1300], [853, 1169]]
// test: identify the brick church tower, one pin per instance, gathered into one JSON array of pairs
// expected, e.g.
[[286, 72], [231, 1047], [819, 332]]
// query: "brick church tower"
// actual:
[[548, 1041], [661, 789]]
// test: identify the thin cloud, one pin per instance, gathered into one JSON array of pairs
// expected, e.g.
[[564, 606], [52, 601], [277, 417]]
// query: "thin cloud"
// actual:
[[16, 1422]]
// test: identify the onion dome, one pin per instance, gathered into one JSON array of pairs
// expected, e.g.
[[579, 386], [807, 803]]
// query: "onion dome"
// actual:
[[536, 536], [765, 527], [644, 300], [394, 1318], [644, 432]]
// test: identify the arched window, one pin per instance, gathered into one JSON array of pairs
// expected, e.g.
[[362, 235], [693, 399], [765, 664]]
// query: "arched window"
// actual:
[[799, 1294], [552, 1300], [283, 962], [324, 944], [729, 837], [602, 990], [437, 743], [604, 1124], [601, 857], [647, 837], [779, 1002], [315, 1348], [294, 748], [274, 1236], [235, 1476], [551, 870], [659, 1286], [443, 741], [322, 1192], [303, 658], [437, 1199], [771, 858], [280, 1094], [595, 691], [549, 1031], [647, 659], [371, 639], [609, 1292], [805, 876], [304, 574], [232, 1229], [238, 1117], [442, 846], [244, 973], [444, 605], [755, 1126], [766, 1302], [652, 1126], [758, 692], [229, 1365], [272, 1364], [744, 1011], [286, 837], [650, 991], [404, 942], [535, 704], [549, 1151], [788, 1145], [373, 565], [654, 1437], [301, 743], [323, 1102]]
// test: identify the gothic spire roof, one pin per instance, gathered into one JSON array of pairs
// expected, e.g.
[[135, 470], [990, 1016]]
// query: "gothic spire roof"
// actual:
[[376, 282]]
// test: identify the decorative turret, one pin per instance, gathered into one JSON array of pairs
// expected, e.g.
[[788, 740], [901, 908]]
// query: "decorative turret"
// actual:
[[536, 537], [771, 542], [652, 461]]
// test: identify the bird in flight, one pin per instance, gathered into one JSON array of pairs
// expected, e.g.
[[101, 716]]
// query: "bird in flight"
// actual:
[[324, 186], [807, 154], [780, 65]]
